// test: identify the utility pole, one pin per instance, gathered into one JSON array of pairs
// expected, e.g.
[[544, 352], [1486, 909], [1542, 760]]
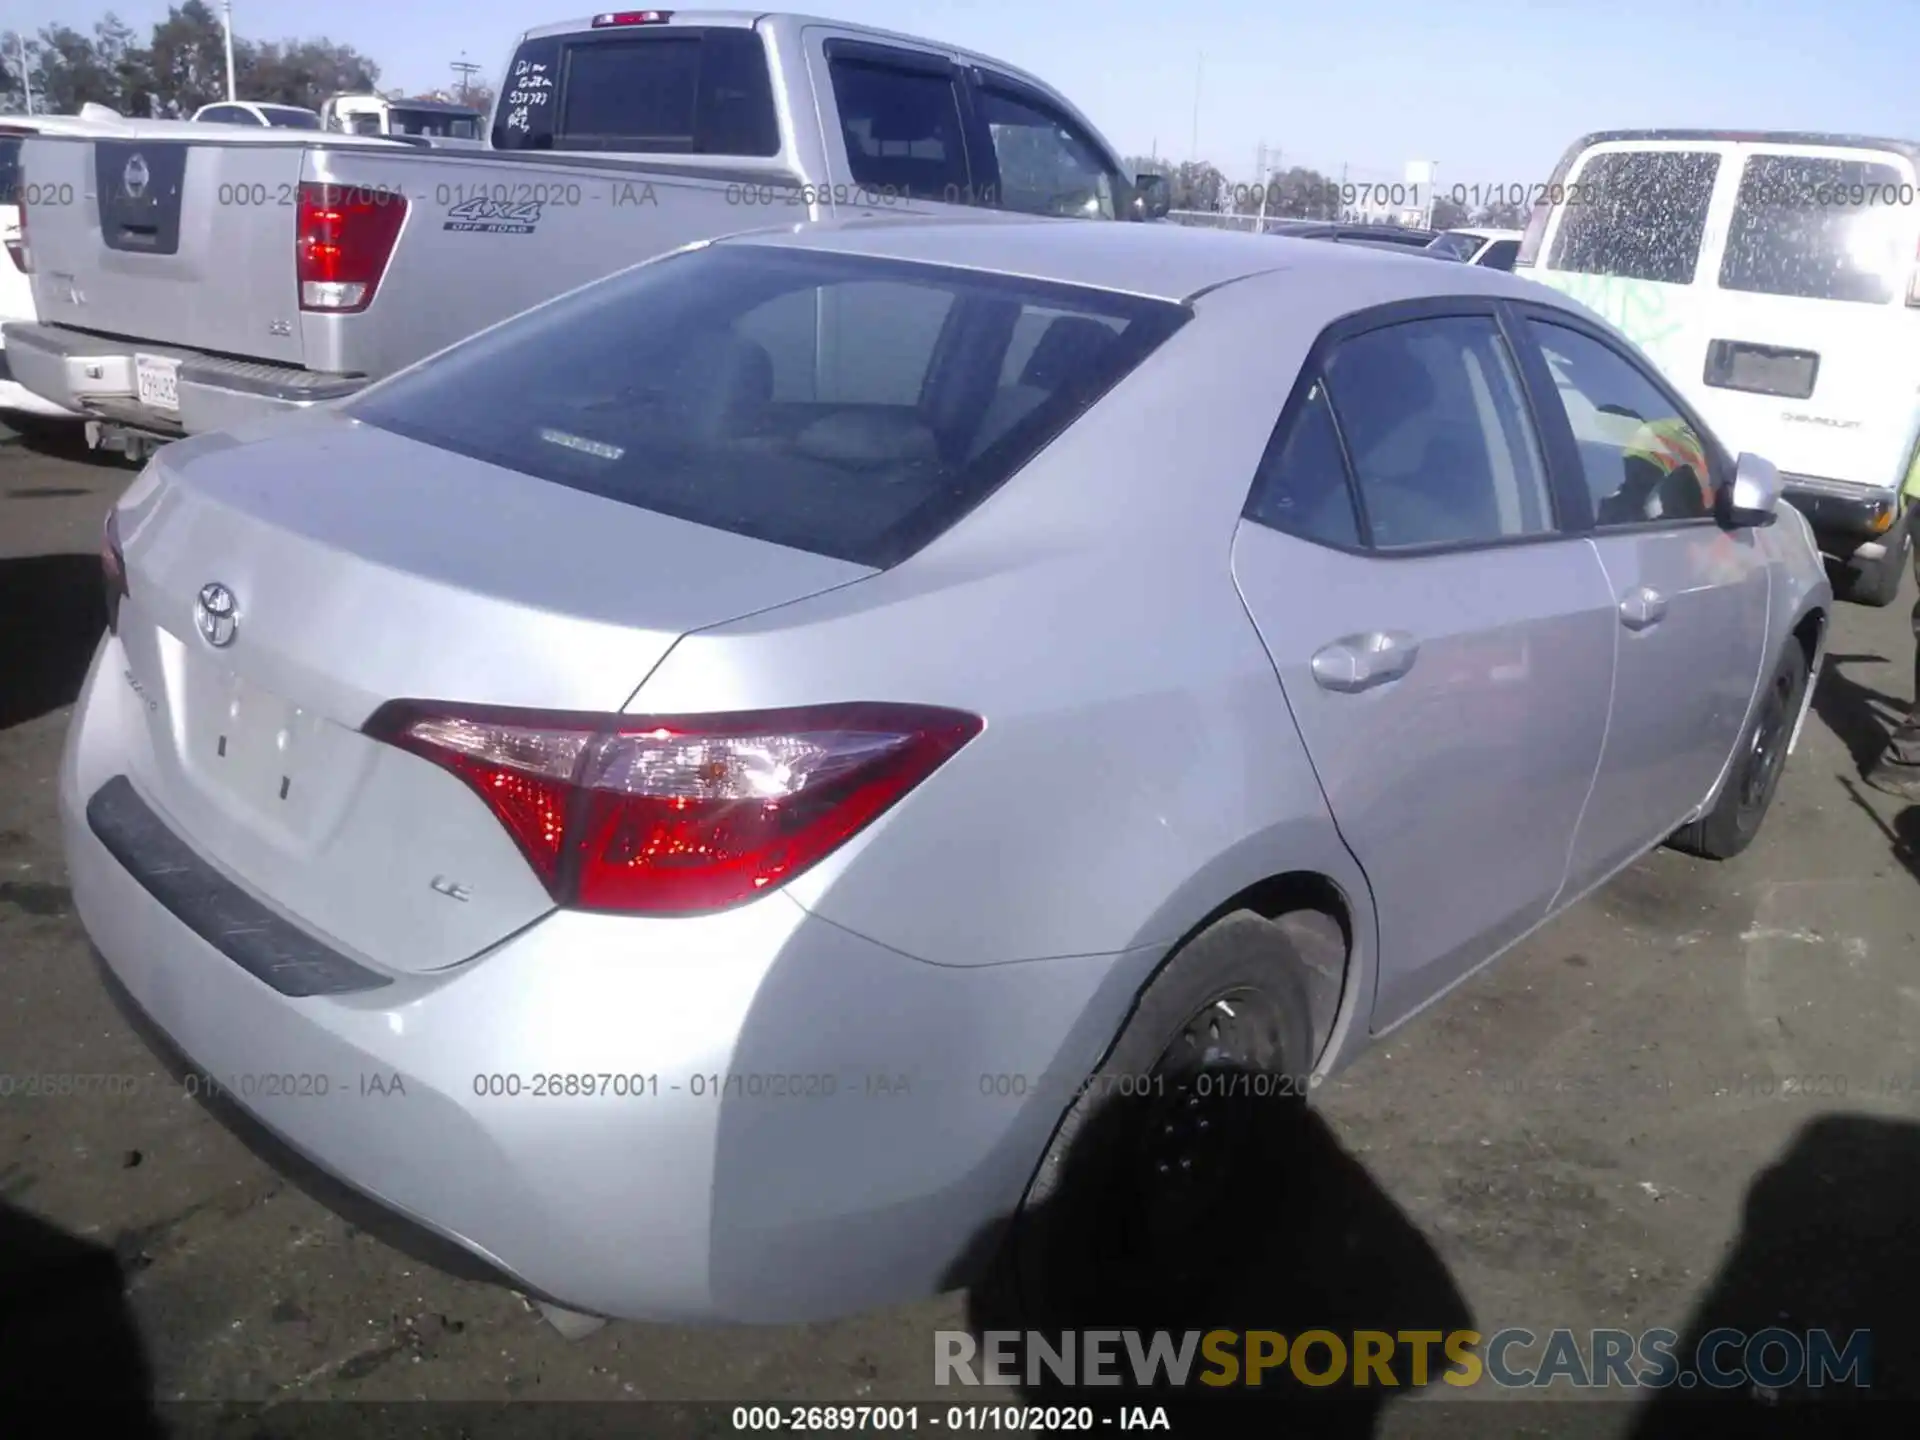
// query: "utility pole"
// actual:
[[1193, 146], [26, 79], [464, 68], [226, 12]]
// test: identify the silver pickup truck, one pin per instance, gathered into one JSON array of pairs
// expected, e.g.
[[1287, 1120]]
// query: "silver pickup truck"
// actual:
[[194, 284]]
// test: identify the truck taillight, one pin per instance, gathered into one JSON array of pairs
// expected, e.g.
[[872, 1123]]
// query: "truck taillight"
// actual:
[[344, 238], [679, 815]]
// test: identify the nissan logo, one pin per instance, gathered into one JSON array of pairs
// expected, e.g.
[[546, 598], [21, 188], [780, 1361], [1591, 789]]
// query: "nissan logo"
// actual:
[[134, 178], [216, 614]]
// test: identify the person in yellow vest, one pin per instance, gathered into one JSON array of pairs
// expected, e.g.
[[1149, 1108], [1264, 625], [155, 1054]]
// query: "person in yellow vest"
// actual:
[[1897, 771], [1667, 476]]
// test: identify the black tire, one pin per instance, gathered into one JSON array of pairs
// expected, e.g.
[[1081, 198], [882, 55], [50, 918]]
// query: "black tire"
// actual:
[[1876, 583], [1090, 1228], [1733, 822]]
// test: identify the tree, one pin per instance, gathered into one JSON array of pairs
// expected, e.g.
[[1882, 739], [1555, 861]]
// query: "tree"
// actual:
[[480, 97], [1197, 185], [1448, 213], [301, 72], [1502, 216], [13, 100], [188, 60]]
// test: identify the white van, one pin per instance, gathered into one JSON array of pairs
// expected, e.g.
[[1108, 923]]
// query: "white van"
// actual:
[[1773, 278]]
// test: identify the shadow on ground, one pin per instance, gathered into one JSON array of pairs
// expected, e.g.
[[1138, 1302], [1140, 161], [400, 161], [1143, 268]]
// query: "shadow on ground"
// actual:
[[1829, 1243], [57, 439], [1859, 715], [1301, 1239], [52, 611], [68, 1342]]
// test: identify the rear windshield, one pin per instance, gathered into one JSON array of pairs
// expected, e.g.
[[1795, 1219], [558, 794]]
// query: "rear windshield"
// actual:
[[436, 123], [1638, 214], [286, 118], [686, 90], [851, 407], [9, 169], [1820, 228]]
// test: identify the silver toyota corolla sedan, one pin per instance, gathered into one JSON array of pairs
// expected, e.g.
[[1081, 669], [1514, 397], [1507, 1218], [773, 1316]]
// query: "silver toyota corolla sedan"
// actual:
[[699, 793]]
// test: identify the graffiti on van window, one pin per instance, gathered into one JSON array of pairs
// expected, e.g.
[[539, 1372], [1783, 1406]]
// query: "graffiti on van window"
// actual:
[[1642, 310]]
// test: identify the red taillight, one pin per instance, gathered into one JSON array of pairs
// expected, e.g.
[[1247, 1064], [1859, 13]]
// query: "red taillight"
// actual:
[[683, 814], [345, 237], [113, 570], [632, 17]]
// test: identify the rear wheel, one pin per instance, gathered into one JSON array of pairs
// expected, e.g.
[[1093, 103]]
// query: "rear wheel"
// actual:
[[1733, 822], [1148, 1179]]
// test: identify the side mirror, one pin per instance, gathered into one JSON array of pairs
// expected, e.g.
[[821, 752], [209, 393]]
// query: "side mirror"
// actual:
[[1152, 197], [1754, 496]]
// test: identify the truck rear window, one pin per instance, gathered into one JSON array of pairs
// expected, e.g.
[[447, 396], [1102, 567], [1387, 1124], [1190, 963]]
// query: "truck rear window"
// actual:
[[685, 90], [1819, 227], [1638, 214], [848, 406]]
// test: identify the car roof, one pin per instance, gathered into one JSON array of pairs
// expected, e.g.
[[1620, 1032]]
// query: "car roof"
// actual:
[[1174, 263]]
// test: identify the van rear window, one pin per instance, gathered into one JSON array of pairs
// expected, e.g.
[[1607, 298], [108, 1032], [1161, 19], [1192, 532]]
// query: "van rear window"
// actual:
[[1819, 227], [1638, 214], [668, 90], [9, 169], [845, 405]]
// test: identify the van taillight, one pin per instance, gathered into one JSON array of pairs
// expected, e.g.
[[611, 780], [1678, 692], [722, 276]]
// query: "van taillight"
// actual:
[[344, 238], [17, 246]]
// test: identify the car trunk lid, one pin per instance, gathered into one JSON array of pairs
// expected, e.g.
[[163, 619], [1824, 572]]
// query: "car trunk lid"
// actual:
[[354, 567]]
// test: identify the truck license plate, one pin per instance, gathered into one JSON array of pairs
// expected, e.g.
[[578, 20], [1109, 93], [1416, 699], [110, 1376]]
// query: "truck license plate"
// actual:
[[157, 379]]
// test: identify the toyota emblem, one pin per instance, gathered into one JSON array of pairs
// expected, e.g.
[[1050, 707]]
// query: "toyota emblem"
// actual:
[[216, 614], [134, 178]]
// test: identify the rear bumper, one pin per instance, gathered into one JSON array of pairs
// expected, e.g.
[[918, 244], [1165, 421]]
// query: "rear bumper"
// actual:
[[17, 398], [741, 1160], [93, 375], [1840, 511]]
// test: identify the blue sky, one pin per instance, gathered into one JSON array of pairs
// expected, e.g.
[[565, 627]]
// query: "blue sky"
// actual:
[[1491, 92]]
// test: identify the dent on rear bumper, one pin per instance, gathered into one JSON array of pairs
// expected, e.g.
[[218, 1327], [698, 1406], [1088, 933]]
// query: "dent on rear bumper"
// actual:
[[811, 1124]]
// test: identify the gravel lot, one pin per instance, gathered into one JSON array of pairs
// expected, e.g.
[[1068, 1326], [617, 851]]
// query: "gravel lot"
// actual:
[[1689, 1102]]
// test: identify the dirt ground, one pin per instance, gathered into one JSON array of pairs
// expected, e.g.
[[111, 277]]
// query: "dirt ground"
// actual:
[[1689, 1102]]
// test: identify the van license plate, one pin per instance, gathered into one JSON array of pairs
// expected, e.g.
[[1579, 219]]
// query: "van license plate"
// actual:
[[157, 379]]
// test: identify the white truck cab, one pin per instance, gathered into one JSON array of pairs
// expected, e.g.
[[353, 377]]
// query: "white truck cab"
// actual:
[[434, 121]]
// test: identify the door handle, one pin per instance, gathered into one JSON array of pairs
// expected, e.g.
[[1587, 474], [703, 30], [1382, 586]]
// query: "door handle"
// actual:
[[1643, 606], [1359, 662]]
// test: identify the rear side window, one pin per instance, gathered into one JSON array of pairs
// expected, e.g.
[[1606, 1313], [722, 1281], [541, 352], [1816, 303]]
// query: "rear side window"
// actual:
[[673, 90], [1436, 429], [1501, 254], [1302, 486], [843, 405], [1820, 228], [1638, 214], [9, 170], [902, 129]]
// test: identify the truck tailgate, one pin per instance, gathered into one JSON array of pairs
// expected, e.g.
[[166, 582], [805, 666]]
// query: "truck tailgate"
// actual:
[[183, 242]]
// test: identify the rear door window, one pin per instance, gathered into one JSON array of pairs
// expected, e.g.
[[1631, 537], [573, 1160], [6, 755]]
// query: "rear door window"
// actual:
[[902, 126], [687, 90], [1638, 214], [1500, 255], [9, 169], [1821, 228], [844, 405]]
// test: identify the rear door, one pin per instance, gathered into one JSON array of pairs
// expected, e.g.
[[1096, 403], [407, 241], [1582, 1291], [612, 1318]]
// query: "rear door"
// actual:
[[1630, 238], [1690, 597], [1446, 648], [1810, 353]]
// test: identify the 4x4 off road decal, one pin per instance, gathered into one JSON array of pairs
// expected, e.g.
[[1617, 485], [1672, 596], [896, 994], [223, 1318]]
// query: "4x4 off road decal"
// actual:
[[493, 217]]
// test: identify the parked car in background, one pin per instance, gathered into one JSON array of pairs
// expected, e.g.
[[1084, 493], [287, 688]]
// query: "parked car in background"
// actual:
[[1495, 248], [1772, 276], [432, 121], [680, 881], [178, 311], [16, 285], [249, 112]]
